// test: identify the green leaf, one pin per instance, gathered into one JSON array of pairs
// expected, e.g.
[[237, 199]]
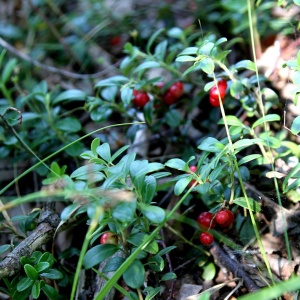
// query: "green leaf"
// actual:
[[94, 145], [124, 211], [70, 95], [243, 143], [156, 263], [153, 38], [119, 152], [182, 184], [36, 289], [104, 151], [254, 206], [168, 276], [8, 70], [175, 32], [126, 95], [245, 64], [24, 284], [86, 171], [134, 276], [42, 266], [293, 174], [176, 163], [267, 118], [68, 124], [236, 89], [185, 58], [113, 264], [52, 274], [139, 238], [207, 65], [190, 51], [31, 272], [112, 81], [248, 158], [166, 250], [295, 128], [98, 254], [232, 121], [50, 292], [147, 65], [173, 118], [209, 272], [4, 248], [154, 214], [211, 144], [148, 189]]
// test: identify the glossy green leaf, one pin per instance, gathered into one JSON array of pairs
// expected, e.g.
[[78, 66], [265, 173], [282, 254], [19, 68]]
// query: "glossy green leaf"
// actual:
[[126, 95], [254, 205], [267, 118], [173, 118], [42, 266], [295, 128], [139, 238], [184, 58], [36, 289], [232, 121], [98, 254], [147, 65], [148, 189], [24, 284], [94, 145], [52, 274], [124, 211], [119, 152], [176, 163], [245, 64], [50, 292], [243, 143], [211, 144], [8, 69], [154, 214], [134, 276], [156, 263], [113, 264], [209, 272], [182, 184], [86, 171], [70, 95], [104, 151], [190, 51], [166, 250], [168, 276], [4, 248], [117, 80], [207, 65], [68, 124], [31, 272], [153, 37], [248, 158]]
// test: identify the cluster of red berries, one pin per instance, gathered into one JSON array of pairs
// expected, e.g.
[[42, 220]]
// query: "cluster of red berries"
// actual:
[[214, 93], [171, 95], [207, 220]]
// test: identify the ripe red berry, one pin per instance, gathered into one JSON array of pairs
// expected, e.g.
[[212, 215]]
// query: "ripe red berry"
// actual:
[[222, 217], [230, 219], [206, 220], [206, 238], [140, 98], [169, 98], [215, 102], [109, 238], [176, 89], [213, 93], [115, 40], [223, 83], [193, 168]]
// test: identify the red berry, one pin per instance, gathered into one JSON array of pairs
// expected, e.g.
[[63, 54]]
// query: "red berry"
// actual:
[[206, 220], [223, 83], [222, 217], [230, 219], [169, 98], [176, 89], [215, 102], [115, 40], [213, 93], [109, 238], [140, 98], [193, 168], [206, 238]]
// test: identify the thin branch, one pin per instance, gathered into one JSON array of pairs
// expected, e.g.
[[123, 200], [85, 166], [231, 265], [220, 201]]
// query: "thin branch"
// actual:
[[51, 69]]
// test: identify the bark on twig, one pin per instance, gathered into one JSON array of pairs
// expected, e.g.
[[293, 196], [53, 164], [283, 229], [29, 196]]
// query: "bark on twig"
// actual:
[[39, 237]]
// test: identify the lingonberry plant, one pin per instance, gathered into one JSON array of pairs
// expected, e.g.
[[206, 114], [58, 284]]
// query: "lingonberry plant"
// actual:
[[135, 190]]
